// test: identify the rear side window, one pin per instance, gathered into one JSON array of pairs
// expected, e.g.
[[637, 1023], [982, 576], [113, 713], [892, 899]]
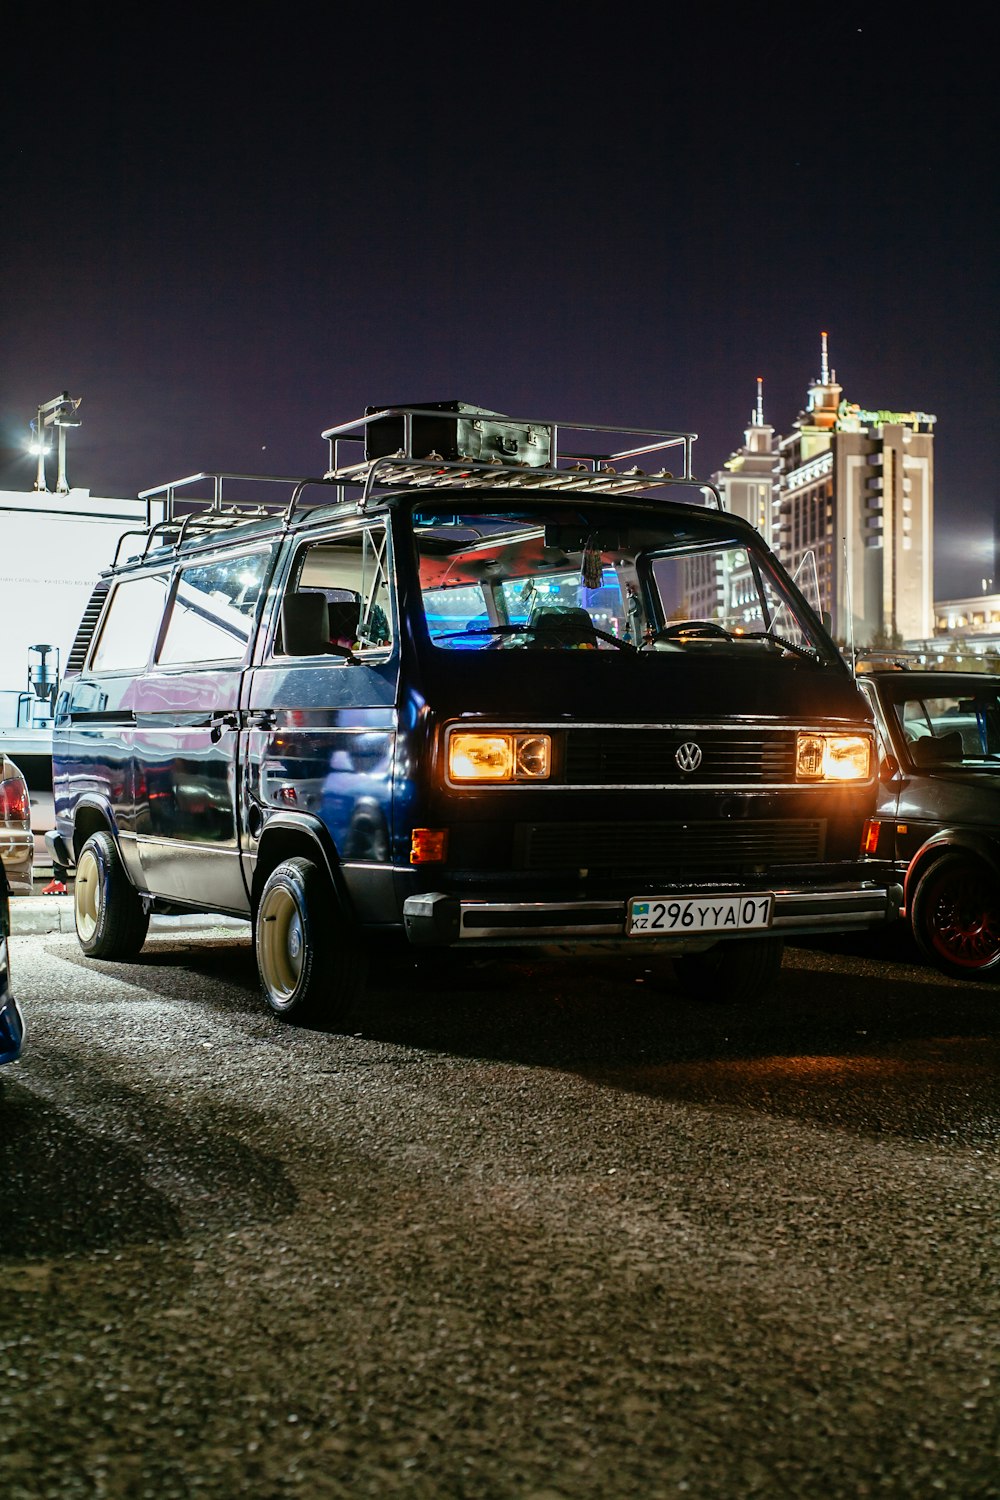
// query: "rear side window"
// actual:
[[131, 624], [213, 610]]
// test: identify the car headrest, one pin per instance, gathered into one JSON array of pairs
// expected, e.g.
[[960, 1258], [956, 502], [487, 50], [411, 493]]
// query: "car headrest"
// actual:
[[563, 627], [932, 749]]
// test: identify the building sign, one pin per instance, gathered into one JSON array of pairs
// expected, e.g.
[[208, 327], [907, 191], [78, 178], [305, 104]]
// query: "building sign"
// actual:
[[851, 415]]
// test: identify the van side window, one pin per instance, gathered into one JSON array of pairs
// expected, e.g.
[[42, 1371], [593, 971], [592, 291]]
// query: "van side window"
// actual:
[[338, 597], [131, 624], [213, 610]]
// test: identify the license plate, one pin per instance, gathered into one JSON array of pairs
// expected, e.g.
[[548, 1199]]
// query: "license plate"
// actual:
[[666, 916]]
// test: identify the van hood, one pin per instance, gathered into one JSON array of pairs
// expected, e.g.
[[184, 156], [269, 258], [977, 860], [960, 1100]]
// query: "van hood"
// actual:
[[638, 687]]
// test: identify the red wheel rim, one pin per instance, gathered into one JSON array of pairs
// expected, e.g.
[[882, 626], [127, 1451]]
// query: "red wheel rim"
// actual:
[[964, 918]]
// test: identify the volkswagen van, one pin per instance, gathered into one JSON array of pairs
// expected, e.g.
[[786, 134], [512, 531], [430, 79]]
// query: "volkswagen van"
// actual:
[[484, 683]]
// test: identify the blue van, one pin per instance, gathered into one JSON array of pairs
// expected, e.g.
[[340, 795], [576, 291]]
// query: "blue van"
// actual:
[[477, 686]]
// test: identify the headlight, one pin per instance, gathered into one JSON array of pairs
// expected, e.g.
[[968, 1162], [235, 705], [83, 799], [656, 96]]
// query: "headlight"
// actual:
[[499, 757], [833, 757]]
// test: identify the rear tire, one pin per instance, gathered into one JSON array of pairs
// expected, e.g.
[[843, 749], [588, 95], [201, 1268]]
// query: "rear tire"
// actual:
[[731, 973], [956, 917], [111, 921], [311, 966]]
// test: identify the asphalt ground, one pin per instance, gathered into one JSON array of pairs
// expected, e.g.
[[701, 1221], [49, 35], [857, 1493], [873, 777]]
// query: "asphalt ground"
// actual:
[[529, 1231]]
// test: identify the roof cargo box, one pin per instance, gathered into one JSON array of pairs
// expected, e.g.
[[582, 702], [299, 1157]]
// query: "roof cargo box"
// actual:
[[456, 430]]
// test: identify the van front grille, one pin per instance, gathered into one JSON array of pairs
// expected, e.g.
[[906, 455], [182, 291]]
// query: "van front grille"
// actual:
[[646, 757], [669, 851]]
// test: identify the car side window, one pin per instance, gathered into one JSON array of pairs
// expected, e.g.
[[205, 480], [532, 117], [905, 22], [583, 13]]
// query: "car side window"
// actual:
[[337, 599], [213, 610], [131, 623]]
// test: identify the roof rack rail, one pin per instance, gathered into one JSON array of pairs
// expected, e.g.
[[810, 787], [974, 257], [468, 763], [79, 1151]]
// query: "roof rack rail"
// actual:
[[207, 514], [167, 494]]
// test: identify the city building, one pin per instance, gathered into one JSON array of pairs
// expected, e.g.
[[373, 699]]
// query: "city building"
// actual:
[[851, 509]]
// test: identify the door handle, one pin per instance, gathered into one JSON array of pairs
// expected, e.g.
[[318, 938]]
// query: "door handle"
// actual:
[[221, 722]]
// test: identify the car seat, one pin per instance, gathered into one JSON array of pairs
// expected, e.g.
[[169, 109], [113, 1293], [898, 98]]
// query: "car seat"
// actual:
[[552, 628]]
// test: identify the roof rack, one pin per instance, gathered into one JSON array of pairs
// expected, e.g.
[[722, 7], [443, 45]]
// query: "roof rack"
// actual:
[[500, 469], [207, 515], [476, 428]]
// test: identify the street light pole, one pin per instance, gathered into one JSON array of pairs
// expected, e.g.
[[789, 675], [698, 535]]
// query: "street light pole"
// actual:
[[61, 412]]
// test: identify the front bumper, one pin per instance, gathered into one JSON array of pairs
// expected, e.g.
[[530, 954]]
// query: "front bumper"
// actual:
[[441, 919]]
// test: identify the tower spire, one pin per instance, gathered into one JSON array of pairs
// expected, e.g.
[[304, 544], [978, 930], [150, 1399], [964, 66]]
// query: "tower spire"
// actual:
[[824, 364], [759, 412]]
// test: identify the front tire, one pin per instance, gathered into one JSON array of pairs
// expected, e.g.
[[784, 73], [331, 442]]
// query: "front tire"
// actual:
[[111, 921], [731, 973], [956, 917], [311, 966]]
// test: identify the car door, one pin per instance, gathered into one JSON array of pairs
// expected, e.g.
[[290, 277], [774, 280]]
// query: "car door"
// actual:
[[320, 709], [186, 740]]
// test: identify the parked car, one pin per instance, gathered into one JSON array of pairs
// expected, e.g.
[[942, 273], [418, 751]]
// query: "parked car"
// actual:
[[11, 1021], [938, 815], [483, 693], [17, 842]]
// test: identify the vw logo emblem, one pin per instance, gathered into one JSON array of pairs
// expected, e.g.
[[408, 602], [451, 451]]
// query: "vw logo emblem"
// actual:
[[688, 756]]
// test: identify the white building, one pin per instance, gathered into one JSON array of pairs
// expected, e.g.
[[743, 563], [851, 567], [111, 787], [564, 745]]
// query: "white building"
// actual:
[[851, 509], [52, 548]]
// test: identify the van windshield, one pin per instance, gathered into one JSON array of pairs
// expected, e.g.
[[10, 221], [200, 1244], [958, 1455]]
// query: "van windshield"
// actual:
[[586, 577]]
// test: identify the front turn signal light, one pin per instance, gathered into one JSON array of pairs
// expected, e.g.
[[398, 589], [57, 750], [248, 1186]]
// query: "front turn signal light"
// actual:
[[833, 757], [491, 757], [428, 846]]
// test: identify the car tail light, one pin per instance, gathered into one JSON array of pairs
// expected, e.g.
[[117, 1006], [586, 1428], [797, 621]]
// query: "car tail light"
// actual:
[[14, 805]]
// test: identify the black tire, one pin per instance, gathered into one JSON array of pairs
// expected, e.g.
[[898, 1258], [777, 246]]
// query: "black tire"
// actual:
[[111, 921], [955, 917], [731, 973], [311, 966]]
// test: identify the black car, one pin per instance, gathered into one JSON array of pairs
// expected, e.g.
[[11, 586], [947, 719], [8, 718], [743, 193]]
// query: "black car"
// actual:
[[939, 809]]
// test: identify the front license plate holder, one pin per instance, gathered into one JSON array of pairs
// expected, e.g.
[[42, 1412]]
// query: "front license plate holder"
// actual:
[[690, 916]]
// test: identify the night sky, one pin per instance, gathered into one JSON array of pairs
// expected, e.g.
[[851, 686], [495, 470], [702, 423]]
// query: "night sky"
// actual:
[[226, 231]]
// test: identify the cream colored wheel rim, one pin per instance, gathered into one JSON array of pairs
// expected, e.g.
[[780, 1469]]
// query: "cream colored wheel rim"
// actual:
[[87, 895], [280, 944]]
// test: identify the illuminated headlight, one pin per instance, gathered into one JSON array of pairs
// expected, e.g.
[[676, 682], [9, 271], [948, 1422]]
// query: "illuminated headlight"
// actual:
[[499, 757], [833, 757]]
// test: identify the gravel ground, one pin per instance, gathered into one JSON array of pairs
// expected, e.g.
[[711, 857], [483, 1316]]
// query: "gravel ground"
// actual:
[[537, 1230]]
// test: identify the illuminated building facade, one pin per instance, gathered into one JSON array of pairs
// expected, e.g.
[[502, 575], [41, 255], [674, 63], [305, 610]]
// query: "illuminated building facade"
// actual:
[[851, 510]]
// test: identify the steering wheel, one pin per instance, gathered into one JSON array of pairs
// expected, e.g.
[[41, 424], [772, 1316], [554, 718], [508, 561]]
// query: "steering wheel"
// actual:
[[694, 628]]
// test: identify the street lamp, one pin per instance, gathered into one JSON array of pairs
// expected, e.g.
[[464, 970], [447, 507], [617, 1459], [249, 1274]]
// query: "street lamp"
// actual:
[[61, 412]]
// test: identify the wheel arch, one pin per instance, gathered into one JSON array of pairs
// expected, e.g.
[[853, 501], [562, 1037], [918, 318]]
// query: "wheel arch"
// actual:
[[949, 841], [92, 817], [287, 835]]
